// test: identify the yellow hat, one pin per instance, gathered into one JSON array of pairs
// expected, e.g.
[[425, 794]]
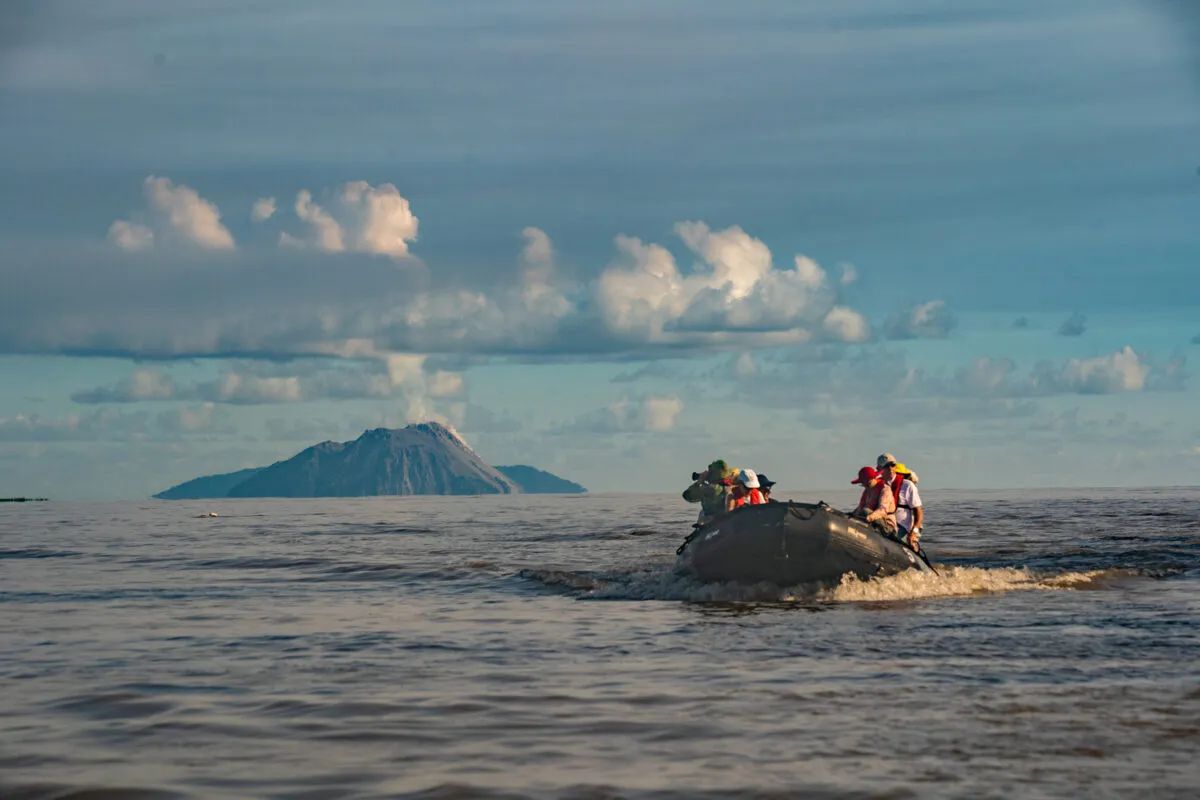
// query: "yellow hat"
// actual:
[[902, 470]]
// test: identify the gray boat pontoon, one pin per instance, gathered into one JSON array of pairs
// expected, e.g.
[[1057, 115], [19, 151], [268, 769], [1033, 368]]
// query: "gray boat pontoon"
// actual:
[[793, 543]]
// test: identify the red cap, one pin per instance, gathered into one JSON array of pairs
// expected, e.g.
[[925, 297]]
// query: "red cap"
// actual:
[[866, 475]]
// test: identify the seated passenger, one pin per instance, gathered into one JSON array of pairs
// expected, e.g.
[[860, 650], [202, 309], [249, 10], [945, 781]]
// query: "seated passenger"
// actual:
[[886, 459], [876, 504], [746, 491], [910, 514], [765, 484], [710, 489]]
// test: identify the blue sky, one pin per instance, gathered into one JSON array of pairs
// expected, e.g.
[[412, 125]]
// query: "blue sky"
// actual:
[[614, 240]]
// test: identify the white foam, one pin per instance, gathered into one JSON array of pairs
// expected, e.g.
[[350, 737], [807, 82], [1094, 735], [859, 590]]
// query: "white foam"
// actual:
[[667, 583], [952, 582]]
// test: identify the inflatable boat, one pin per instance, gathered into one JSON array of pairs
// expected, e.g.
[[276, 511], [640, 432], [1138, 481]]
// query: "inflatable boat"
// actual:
[[793, 543]]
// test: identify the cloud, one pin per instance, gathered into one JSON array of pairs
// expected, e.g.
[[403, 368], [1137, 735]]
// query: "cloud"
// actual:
[[325, 233], [175, 212], [930, 320], [189, 419], [1122, 371], [384, 376], [1074, 325], [263, 209], [645, 414], [986, 376], [730, 298], [734, 289], [362, 219], [142, 384], [244, 389], [658, 413], [130, 235], [537, 256], [1196, 339], [1169, 377], [846, 325], [188, 214], [109, 424]]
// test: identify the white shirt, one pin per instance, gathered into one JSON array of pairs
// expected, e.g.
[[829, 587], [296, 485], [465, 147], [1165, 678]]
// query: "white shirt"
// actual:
[[909, 496]]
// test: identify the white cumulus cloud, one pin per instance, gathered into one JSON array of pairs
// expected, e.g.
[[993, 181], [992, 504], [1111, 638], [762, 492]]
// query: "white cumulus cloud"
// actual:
[[361, 218], [733, 289], [187, 214], [846, 325], [176, 212]]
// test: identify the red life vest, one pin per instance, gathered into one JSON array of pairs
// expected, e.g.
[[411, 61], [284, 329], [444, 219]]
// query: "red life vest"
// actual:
[[896, 491], [752, 497]]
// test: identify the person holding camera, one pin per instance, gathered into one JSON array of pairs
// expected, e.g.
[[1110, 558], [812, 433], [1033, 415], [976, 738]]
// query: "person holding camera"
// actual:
[[710, 489]]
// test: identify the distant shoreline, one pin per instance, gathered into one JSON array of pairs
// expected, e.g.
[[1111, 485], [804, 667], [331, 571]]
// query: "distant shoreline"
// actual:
[[24, 499]]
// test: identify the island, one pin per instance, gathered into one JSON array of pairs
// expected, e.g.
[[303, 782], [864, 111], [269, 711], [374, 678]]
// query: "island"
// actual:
[[425, 458]]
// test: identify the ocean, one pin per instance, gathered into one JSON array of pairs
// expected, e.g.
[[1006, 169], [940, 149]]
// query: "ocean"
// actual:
[[546, 647]]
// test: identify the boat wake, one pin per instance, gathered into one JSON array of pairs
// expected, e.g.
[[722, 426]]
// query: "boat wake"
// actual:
[[669, 583], [954, 581]]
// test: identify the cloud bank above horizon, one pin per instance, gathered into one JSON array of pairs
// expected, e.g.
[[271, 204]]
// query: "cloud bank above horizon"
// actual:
[[601, 237]]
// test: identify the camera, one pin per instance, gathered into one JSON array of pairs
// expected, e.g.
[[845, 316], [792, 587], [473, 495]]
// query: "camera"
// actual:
[[696, 475]]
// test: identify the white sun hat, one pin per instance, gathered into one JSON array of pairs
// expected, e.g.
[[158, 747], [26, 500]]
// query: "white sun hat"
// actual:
[[748, 478]]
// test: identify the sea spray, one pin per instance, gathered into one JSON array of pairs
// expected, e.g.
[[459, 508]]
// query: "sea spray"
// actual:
[[667, 582], [952, 582]]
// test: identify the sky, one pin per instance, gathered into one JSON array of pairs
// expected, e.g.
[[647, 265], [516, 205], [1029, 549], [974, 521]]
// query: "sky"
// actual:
[[613, 240]]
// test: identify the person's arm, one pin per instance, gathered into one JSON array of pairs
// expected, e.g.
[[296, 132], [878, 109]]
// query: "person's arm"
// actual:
[[918, 511], [887, 505], [695, 492]]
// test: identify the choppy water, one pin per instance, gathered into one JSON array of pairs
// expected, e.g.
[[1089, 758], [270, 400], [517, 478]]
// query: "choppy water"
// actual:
[[545, 647]]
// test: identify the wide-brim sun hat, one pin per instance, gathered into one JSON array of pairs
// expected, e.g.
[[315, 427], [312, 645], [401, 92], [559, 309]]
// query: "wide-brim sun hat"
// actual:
[[764, 482], [748, 478], [866, 475], [901, 469]]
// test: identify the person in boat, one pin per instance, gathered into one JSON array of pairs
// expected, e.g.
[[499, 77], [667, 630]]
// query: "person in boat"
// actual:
[[877, 504], [711, 490], [888, 458], [747, 491], [910, 514], [764, 486]]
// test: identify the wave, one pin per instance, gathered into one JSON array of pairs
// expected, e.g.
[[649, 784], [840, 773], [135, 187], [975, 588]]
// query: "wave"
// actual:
[[670, 583], [955, 581]]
